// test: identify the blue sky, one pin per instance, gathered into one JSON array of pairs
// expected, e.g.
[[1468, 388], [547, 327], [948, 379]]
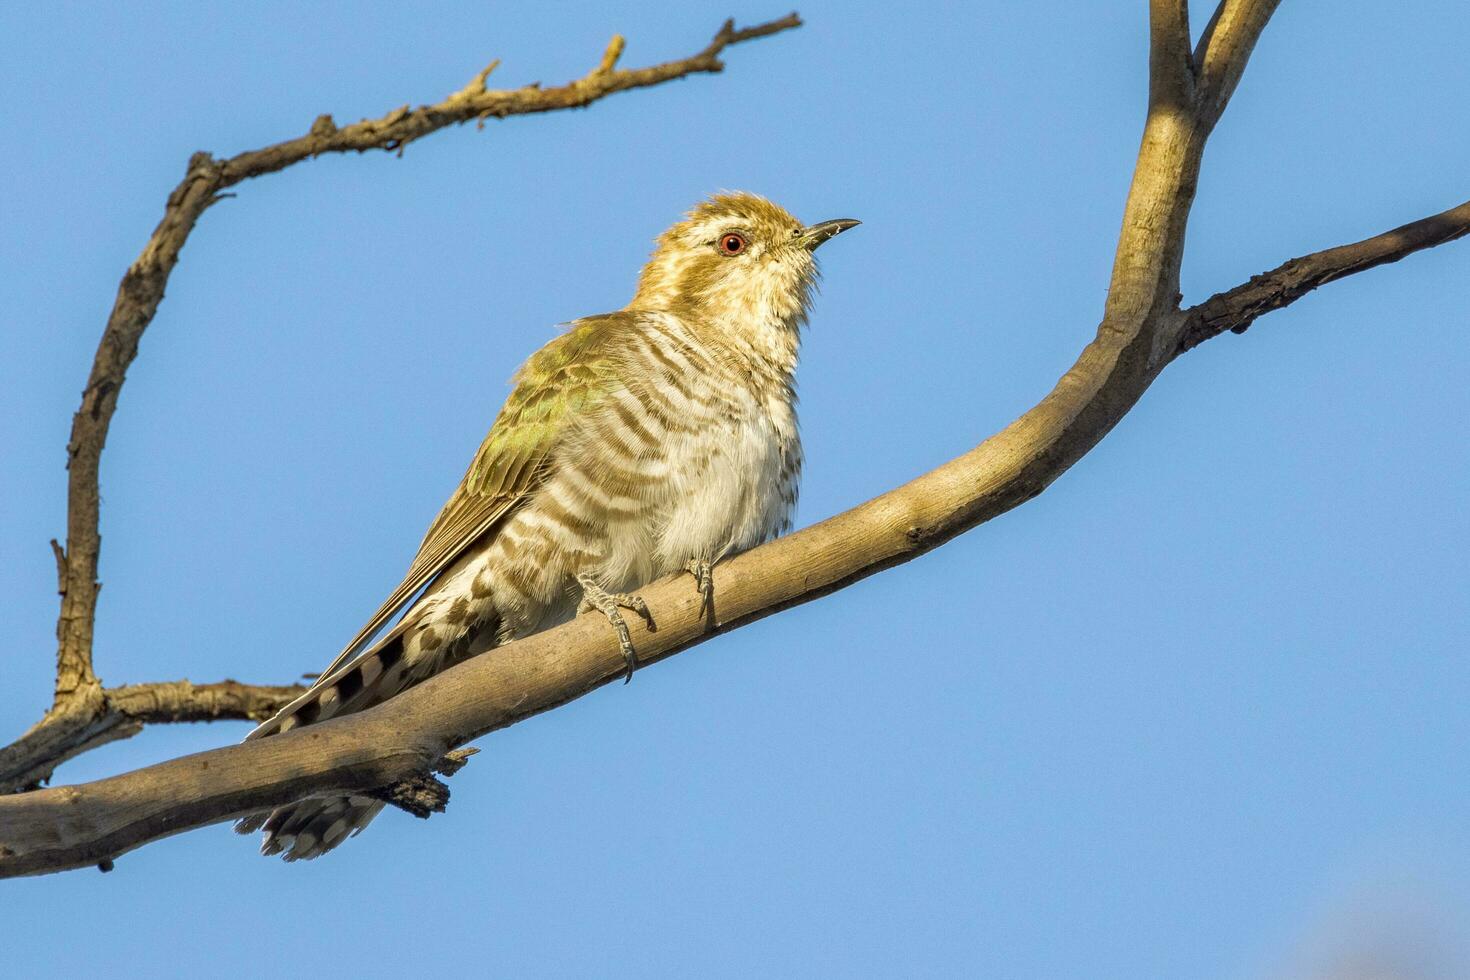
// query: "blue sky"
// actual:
[[1196, 711]]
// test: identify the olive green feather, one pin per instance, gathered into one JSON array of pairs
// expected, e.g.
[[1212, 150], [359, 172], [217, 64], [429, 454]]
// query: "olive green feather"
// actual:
[[566, 378]]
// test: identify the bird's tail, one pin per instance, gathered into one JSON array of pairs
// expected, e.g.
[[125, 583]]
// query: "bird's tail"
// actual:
[[371, 677], [311, 827]]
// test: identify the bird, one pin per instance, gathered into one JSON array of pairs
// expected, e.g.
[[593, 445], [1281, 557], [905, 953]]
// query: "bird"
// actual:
[[650, 441]]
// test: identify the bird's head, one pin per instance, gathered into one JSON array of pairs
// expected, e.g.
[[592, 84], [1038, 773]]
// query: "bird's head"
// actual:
[[738, 262]]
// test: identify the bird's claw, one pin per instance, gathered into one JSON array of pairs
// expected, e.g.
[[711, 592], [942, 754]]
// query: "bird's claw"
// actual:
[[703, 571], [595, 597]]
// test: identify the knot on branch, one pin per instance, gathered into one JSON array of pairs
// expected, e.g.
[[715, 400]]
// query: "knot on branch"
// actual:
[[425, 794], [203, 168], [200, 160]]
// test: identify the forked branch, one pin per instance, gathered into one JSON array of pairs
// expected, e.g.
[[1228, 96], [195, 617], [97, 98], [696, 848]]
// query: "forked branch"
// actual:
[[1224, 49], [109, 714]]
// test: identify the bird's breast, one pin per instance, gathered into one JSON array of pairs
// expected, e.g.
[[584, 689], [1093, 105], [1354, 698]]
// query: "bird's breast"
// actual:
[[732, 483], [692, 455]]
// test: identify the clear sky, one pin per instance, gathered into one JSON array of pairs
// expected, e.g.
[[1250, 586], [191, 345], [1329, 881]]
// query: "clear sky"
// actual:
[[1197, 711]]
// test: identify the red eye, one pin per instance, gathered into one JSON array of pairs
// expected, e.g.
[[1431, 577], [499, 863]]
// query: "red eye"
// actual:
[[732, 243]]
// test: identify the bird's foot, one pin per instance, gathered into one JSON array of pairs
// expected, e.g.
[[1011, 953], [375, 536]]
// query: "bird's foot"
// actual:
[[704, 580], [609, 604]]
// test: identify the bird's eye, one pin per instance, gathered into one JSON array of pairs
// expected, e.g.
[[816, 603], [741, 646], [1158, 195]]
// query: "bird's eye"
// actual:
[[732, 243]]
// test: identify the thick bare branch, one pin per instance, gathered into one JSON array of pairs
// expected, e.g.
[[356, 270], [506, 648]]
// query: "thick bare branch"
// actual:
[[1224, 49], [1170, 63], [79, 700], [1145, 283], [1236, 309], [110, 714]]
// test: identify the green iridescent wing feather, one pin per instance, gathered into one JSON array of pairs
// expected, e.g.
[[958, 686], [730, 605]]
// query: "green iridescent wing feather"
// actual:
[[567, 377]]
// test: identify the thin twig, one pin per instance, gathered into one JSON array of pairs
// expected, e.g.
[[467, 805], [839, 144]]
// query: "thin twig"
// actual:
[[1236, 309]]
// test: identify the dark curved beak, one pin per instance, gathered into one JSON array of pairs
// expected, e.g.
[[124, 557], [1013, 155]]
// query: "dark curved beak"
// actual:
[[814, 235]]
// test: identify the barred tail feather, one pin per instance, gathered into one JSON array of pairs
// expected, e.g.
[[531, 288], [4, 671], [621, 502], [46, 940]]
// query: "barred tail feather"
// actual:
[[370, 678], [311, 827]]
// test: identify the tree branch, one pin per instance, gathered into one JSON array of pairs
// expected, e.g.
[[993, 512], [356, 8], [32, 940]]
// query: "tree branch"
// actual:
[[400, 741], [178, 701], [1224, 49], [1236, 309], [111, 714], [82, 712], [1170, 63]]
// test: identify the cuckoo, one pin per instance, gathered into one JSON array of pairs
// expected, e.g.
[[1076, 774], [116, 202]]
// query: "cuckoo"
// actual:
[[637, 444]]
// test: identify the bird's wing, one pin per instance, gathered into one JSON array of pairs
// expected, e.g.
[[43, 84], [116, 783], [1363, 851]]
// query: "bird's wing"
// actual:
[[559, 383]]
